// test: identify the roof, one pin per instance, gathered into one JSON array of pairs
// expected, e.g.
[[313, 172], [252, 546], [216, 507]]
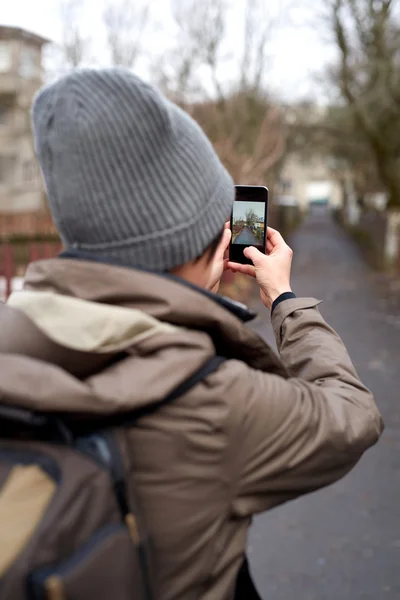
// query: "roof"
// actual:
[[7, 32]]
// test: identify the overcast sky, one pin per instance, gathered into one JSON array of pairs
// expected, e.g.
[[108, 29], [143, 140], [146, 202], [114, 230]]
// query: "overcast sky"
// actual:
[[240, 208], [296, 52]]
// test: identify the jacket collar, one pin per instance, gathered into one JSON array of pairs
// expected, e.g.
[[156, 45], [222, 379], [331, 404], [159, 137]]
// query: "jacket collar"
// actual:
[[163, 297], [241, 311]]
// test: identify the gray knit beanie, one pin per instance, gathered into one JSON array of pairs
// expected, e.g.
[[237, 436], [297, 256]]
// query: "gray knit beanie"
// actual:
[[129, 175]]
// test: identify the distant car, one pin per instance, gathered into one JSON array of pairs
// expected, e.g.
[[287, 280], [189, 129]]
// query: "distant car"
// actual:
[[319, 202]]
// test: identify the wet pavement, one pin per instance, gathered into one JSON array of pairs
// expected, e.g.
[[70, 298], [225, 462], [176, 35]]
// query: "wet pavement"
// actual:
[[342, 543], [247, 238]]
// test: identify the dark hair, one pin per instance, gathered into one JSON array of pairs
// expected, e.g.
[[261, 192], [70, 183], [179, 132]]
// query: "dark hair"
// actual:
[[212, 248]]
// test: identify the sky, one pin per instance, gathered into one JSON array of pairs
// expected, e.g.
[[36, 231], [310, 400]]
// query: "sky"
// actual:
[[240, 209], [297, 50]]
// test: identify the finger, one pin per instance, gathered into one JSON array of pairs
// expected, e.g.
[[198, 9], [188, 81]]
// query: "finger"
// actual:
[[224, 244], [233, 265], [274, 237], [269, 247], [244, 269], [225, 266], [247, 270], [254, 255], [227, 225]]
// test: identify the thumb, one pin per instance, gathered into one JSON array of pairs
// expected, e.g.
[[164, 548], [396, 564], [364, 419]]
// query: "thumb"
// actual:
[[254, 255]]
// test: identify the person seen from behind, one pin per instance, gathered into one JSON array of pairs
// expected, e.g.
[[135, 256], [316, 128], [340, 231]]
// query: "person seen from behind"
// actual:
[[141, 202]]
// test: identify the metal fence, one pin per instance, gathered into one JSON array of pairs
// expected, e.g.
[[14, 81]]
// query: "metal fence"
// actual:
[[14, 258], [27, 224]]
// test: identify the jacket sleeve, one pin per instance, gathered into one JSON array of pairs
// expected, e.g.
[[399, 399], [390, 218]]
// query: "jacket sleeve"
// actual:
[[293, 436]]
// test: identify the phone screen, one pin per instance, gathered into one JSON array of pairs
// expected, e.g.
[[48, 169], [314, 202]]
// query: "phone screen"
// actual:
[[249, 221]]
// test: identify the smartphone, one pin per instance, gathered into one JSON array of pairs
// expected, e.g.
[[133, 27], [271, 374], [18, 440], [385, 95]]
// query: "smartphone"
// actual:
[[249, 221]]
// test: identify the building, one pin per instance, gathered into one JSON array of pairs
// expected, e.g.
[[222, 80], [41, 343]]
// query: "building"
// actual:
[[307, 181], [21, 75]]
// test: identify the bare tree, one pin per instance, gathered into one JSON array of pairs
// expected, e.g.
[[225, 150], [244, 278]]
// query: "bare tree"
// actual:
[[200, 30], [257, 31], [250, 136], [74, 46], [367, 35], [245, 127], [125, 23], [251, 218]]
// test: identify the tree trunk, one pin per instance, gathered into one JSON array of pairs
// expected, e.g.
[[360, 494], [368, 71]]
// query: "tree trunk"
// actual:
[[389, 171]]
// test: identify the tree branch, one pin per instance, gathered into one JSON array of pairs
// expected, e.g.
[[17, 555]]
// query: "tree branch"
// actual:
[[125, 24]]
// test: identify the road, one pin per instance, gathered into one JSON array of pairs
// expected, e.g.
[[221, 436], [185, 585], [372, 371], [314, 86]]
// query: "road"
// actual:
[[342, 543], [246, 237]]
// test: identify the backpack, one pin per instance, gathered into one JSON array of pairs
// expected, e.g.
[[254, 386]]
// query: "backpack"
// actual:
[[69, 527]]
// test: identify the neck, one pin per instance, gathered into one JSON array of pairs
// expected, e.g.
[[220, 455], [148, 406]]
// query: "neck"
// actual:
[[192, 273]]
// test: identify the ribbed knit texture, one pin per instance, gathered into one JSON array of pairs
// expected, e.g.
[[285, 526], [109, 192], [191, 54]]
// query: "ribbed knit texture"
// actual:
[[128, 173]]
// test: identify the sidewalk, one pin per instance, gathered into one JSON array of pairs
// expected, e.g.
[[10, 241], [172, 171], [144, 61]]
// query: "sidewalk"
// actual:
[[342, 543]]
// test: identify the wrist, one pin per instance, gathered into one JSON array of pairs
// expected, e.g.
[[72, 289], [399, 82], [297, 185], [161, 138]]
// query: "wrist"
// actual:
[[281, 298], [278, 292]]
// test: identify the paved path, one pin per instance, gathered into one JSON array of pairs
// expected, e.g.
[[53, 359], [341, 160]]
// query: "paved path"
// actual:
[[342, 543], [247, 237]]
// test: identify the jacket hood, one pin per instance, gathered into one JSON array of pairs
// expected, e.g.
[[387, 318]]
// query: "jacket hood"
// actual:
[[96, 338]]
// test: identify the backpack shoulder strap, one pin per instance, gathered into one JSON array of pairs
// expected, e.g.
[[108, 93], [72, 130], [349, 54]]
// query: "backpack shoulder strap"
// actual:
[[206, 369], [209, 367]]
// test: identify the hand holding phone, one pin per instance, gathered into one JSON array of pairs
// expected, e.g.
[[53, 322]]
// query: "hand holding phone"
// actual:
[[249, 221], [272, 271]]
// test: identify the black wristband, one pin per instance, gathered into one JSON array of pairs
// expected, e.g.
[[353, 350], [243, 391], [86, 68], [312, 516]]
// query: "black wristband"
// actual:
[[281, 298]]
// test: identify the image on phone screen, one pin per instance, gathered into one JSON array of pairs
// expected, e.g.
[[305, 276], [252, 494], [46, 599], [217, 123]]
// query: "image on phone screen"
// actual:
[[249, 220], [248, 225]]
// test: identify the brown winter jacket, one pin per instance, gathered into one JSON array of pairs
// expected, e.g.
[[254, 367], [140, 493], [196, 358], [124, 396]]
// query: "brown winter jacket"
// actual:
[[258, 432]]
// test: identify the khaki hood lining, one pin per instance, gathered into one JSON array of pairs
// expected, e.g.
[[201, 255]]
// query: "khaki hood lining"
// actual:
[[85, 325], [24, 498]]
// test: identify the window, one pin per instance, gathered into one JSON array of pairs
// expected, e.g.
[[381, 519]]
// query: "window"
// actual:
[[29, 65], [5, 57]]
